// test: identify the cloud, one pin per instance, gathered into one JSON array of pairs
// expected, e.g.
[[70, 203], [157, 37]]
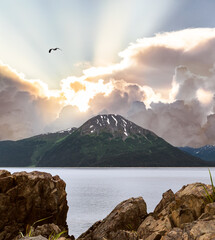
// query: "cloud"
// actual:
[[121, 98], [151, 62], [77, 86], [144, 61], [165, 83], [209, 129], [187, 120], [70, 116], [179, 123], [25, 108], [173, 75]]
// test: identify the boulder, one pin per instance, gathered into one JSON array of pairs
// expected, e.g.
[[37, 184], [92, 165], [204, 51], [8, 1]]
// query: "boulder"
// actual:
[[183, 215], [167, 198], [188, 205], [46, 230], [192, 196], [121, 223], [156, 227], [203, 229], [26, 198], [175, 234]]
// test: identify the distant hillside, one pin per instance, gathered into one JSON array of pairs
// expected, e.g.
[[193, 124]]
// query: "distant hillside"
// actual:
[[206, 153], [28, 152], [112, 141]]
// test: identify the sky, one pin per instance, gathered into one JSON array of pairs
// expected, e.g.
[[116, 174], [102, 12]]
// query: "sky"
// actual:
[[152, 62]]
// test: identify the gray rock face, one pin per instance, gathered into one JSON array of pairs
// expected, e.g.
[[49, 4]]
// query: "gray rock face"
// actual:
[[121, 222], [28, 197]]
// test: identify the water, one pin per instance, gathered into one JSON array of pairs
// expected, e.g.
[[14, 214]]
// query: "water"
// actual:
[[92, 193]]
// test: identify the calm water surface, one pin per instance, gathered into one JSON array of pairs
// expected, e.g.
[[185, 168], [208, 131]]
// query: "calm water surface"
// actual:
[[93, 192]]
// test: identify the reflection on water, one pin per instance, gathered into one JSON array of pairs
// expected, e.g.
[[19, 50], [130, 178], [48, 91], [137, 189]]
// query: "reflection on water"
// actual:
[[93, 192]]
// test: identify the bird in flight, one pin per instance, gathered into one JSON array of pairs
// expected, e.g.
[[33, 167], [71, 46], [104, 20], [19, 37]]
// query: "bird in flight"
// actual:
[[54, 49]]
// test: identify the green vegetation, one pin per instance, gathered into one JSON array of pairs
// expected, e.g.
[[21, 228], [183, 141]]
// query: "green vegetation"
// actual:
[[210, 197], [29, 151], [105, 146], [29, 228], [56, 236], [105, 150]]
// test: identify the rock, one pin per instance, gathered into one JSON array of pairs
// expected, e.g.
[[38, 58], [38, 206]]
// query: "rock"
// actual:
[[202, 227], [167, 198], [153, 236], [151, 226], [188, 205], [193, 220], [175, 234], [199, 230], [34, 238], [174, 210], [122, 234], [210, 208], [191, 197], [46, 230], [207, 236], [181, 216], [28, 197], [127, 216]]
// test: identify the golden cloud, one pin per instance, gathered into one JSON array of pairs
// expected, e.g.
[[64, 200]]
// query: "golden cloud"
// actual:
[[77, 86]]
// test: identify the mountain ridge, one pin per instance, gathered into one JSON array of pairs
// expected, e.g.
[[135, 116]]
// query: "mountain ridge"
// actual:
[[110, 140], [106, 140], [206, 152], [27, 152]]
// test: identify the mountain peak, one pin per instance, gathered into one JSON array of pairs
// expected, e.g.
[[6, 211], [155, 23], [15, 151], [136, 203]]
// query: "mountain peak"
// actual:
[[115, 124]]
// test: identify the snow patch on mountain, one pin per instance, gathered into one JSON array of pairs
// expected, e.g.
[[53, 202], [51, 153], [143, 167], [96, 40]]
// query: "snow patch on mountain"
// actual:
[[116, 125]]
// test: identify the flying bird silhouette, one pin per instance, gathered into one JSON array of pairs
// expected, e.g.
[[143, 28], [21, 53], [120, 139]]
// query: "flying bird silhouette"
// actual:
[[54, 49]]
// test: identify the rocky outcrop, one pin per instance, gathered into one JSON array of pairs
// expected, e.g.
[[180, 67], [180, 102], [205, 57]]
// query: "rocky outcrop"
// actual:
[[185, 215], [26, 198], [202, 229], [179, 215], [121, 223]]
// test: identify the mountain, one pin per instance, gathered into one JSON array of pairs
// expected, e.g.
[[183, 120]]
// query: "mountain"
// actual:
[[113, 141], [27, 152], [206, 153]]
